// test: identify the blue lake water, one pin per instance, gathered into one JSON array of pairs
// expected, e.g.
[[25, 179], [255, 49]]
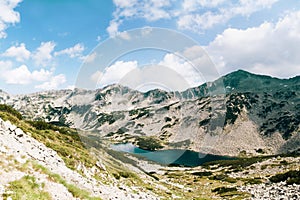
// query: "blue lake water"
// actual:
[[171, 156]]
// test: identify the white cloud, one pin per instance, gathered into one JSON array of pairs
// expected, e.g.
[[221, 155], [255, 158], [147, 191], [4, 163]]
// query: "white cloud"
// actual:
[[70, 87], [19, 52], [113, 28], [5, 65], [22, 75], [247, 7], [188, 14], [182, 67], [19, 75], [192, 5], [114, 73], [220, 13], [7, 15], [90, 58], [125, 4], [198, 23], [53, 83], [271, 48], [113, 31], [96, 77], [124, 35], [43, 55], [73, 52], [150, 10]]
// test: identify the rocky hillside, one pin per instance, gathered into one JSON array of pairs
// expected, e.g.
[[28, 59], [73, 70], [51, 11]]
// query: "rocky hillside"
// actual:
[[42, 161], [240, 112]]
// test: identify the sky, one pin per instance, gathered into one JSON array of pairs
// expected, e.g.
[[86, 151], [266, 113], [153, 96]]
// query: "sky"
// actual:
[[49, 44]]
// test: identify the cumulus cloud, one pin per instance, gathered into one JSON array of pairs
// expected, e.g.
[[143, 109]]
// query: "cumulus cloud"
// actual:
[[53, 83], [8, 16], [43, 55], [96, 76], [73, 52], [22, 75], [271, 48], [113, 28], [19, 52], [182, 67], [5, 65], [114, 73], [90, 58], [173, 71]]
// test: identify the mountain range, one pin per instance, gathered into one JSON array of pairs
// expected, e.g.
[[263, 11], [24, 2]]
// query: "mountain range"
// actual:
[[238, 113]]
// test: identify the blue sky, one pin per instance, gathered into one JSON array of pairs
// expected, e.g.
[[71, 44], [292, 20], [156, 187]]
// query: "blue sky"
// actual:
[[43, 44]]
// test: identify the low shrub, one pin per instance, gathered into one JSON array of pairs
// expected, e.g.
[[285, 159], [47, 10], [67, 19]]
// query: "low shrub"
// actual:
[[290, 177]]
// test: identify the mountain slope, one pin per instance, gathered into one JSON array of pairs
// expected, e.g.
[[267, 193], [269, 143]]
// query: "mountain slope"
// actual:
[[257, 112], [56, 162]]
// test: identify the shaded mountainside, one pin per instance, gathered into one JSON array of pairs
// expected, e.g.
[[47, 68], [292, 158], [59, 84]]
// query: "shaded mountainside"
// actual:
[[240, 112]]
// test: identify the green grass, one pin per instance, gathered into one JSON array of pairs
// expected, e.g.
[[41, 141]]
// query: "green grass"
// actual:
[[10, 110], [74, 190], [252, 181], [26, 189], [65, 141]]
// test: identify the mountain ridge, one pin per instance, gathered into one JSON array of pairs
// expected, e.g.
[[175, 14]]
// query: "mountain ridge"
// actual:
[[205, 118], [115, 85]]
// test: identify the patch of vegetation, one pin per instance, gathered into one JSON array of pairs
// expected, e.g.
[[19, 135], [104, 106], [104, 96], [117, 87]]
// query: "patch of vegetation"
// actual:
[[221, 190], [235, 104], [252, 181], [109, 118], [123, 174], [263, 167], [166, 126], [148, 143], [287, 125], [26, 189], [223, 177], [261, 151], [237, 164], [103, 118], [10, 110], [99, 96], [204, 122], [138, 113], [290, 177], [74, 190], [179, 144], [65, 141], [122, 130], [202, 174], [168, 119]]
